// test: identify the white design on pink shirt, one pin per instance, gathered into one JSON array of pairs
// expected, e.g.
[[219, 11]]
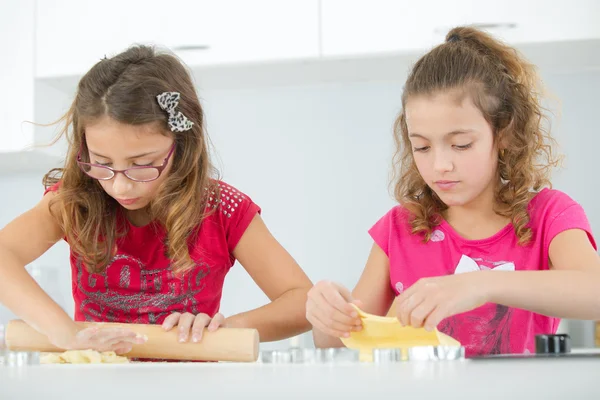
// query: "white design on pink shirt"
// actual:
[[490, 326], [467, 264], [399, 287], [437, 236]]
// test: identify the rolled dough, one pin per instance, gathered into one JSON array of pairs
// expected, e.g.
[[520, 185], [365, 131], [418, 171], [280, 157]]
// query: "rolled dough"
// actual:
[[83, 357]]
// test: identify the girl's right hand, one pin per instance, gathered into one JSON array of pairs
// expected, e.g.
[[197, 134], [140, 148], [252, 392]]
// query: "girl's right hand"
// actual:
[[119, 340], [328, 309]]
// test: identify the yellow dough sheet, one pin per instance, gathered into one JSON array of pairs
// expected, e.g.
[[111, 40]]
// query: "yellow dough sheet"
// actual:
[[387, 332]]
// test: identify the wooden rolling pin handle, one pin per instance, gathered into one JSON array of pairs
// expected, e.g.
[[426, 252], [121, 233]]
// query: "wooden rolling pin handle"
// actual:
[[224, 344]]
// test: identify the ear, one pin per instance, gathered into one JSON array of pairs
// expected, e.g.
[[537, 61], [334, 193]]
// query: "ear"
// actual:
[[501, 140]]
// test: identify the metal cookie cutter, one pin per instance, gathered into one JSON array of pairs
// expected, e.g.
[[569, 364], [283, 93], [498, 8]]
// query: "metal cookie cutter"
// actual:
[[336, 355], [15, 358], [387, 356], [308, 356], [436, 353], [275, 357], [18, 358]]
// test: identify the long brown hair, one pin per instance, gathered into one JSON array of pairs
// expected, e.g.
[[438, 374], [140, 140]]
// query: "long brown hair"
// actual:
[[124, 88], [506, 89]]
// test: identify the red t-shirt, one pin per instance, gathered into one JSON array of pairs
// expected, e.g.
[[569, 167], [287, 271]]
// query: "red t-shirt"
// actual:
[[138, 285]]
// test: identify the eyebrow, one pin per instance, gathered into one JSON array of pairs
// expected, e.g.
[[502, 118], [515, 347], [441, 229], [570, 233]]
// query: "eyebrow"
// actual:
[[129, 158], [452, 133]]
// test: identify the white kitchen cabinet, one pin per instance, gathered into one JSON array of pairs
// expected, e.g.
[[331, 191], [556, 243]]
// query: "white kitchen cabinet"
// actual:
[[351, 27], [16, 74], [72, 35]]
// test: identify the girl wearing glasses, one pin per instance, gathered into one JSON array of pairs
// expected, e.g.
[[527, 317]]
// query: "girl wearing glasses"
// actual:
[[152, 232]]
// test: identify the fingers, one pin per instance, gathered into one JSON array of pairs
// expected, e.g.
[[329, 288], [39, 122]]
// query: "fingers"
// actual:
[[333, 314], [436, 316], [335, 299], [110, 335], [185, 326], [188, 323], [420, 313], [424, 304], [345, 293], [406, 308], [87, 334], [335, 328], [359, 304], [122, 348], [328, 307], [329, 319], [107, 339], [171, 321], [200, 322], [216, 322], [327, 328], [113, 335]]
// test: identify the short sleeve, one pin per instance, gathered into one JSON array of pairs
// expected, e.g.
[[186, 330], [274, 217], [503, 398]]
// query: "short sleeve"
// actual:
[[381, 231], [559, 213], [572, 217], [236, 211]]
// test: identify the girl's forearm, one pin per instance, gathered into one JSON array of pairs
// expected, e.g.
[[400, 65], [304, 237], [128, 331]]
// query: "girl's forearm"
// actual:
[[282, 318], [21, 294], [556, 293]]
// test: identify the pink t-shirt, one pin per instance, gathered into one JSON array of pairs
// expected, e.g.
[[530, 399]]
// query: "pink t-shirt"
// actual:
[[491, 328]]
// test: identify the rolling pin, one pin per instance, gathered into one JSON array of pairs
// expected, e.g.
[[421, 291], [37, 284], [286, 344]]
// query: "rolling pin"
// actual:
[[224, 344]]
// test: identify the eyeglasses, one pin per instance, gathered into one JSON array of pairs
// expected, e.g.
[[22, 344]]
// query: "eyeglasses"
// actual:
[[145, 173]]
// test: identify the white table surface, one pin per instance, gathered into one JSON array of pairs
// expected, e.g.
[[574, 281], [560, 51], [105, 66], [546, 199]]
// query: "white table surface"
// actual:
[[566, 378]]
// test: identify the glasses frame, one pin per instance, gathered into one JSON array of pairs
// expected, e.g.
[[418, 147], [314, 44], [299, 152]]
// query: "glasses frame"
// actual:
[[159, 168]]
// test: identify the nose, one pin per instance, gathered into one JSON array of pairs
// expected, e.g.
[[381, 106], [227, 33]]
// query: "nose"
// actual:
[[121, 185], [443, 161]]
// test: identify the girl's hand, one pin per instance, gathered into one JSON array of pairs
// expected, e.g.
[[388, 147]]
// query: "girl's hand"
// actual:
[[328, 309], [430, 300], [119, 340], [195, 324]]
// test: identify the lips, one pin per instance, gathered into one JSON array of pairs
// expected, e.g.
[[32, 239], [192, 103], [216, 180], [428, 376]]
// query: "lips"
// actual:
[[446, 185], [128, 202]]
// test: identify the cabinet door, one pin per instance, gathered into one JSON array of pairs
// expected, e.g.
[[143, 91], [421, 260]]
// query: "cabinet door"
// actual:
[[16, 74], [72, 35], [530, 21], [372, 26]]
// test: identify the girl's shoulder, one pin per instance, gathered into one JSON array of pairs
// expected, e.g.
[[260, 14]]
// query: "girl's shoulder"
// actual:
[[229, 211], [226, 199], [550, 202]]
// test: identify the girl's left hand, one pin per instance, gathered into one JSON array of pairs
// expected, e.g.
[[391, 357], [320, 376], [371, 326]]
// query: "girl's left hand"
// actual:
[[195, 324], [430, 300]]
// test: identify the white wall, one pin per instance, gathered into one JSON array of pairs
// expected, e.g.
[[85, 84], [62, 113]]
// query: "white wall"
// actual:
[[577, 134], [316, 159], [19, 193]]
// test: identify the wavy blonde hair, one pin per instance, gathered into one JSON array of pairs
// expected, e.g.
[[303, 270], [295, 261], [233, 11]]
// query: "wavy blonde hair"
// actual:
[[506, 89], [124, 88]]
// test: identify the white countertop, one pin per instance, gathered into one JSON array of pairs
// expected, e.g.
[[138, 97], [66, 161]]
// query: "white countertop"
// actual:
[[564, 378]]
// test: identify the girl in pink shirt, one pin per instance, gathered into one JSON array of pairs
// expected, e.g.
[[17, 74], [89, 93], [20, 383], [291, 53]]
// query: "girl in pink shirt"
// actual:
[[479, 246]]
